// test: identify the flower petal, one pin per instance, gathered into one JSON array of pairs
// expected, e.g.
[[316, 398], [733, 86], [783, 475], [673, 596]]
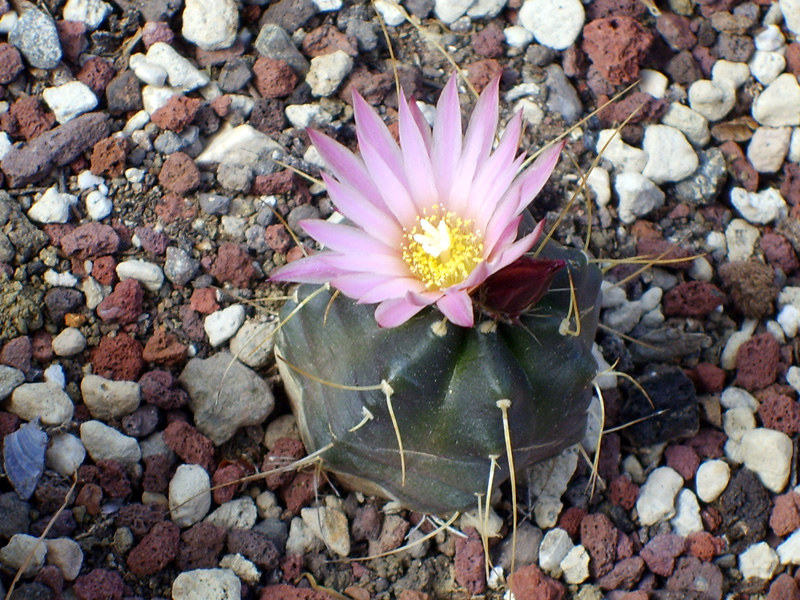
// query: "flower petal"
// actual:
[[517, 249], [394, 312], [532, 181], [477, 144], [446, 145], [416, 159], [367, 263], [393, 188], [371, 130], [457, 307], [312, 269], [356, 207], [396, 287], [505, 239], [345, 239], [355, 285], [422, 124]]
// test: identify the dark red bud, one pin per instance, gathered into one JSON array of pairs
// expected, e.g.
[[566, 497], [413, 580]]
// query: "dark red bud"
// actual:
[[520, 285]]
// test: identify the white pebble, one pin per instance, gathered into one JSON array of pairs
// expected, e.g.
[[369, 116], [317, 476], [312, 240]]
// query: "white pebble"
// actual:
[[736, 339], [147, 72], [136, 122], [779, 104], [726, 73], [330, 526], [768, 453], [759, 207], [711, 479], [391, 15], [235, 514], [52, 207], [711, 100], [789, 320], [555, 546], [155, 97], [517, 36], [693, 125], [211, 24], [653, 83], [24, 550], [575, 566], [766, 66], [69, 100], [687, 514], [736, 397], [599, 183], [301, 539], [69, 342], [66, 554], [770, 39], [670, 157], [740, 238], [181, 74], [253, 342], [98, 205], [55, 279], [791, 15], [327, 72], [759, 561], [46, 401], [242, 145], [222, 325], [5, 144], [768, 148], [485, 9], [657, 496], [637, 196], [108, 400], [55, 374], [208, 584], [189, 495], [449, 11], [104, 442], [65, 454], [88, 180], [91, 12], [701, 269], [245, 570], [148, 274], [736, 422], [623, 156], [554, 23]]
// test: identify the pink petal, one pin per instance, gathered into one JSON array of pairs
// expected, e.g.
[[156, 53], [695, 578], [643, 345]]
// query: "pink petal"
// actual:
[[457, 307], [367, 263], [355, 285], [477, 144], [397, 287], [394, 312], [496, 193], [505, 239], [371, 130], [446, 145], [356, 207], [345, 166], [505, 212], [417, 161], [312, 269], [393, 188], [533, 179], [345, 239], [478, 275], [422, 124], [517, 249]]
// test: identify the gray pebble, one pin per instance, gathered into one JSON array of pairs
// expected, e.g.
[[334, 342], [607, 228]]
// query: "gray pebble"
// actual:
[[36, 37], [562, 97], [255, 240], [10, 378], [299, 213], [214, 204], [274, 42], [234, 75], [235, 178], [705, 184], [179, 266], [168, 142]]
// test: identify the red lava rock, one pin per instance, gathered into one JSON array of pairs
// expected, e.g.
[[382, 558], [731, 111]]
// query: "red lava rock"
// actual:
[[278, 239], [285, 452], [191, 324], [172, 208], [204, 301], [104, 270], [273, 78], [161, 389], [164, 349], [712, 519], [366, 523], [156, 549], [752, 287], [96, 73], [676, 30], [616, 46], [9, 423], [640, 107], [267, 116], [10, 63], [661, 249], [692, 299], [793, 58], [489, 42], [660, 553], [222, 105], [625, 574], [790, 188], [108, 156], [373, 87], [254, 546], [469, 562], [177, 113], [757, 362], [72, 35], [179, 174], [783, 588], [781, 413], [42, 346], [779, 251], [694, 578], [623, 492], [284, 591], [60, 146], [200, 547], [113, 478], [610, 448], [90, 241], [599, 537], [326, 39], [481, 72], [683, 459], [156, 476], [708, 378], [99, 584], [30, 118], [225, 482], [154, 242], [292, 566], [609, 8], [191, 445], [123, 305], [393, 532], [739, 167], [530, 583], [52, 577], [118, 358], [157, 31], [708, 443], [703, 545], [233, 265], [624, 546], [410, 595], [570, 521], [785, 516], [139, 518], [18, 353]]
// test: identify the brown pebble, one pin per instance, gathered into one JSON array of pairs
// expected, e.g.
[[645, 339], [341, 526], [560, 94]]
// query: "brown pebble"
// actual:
[[179, 174], [757, 362], [752, 287]]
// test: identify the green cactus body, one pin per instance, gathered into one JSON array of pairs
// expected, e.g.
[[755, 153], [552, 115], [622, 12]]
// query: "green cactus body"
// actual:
[[445, 384]]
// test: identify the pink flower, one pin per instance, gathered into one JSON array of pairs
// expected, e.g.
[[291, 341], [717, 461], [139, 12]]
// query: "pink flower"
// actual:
[[432, 218]]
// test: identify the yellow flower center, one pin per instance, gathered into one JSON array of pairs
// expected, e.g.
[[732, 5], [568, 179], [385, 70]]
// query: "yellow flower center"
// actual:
[[442, 249]]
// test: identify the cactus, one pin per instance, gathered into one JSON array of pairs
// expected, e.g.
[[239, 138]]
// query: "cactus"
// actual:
[[444, 382]]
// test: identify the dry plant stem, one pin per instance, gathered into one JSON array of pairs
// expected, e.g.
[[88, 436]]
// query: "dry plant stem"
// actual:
[[504, 405]]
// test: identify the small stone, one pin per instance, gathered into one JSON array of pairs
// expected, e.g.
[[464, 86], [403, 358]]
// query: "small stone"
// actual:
[[109, 400], [779, 104], [123, 305], [687, 518], [657, 496], [188, 443], [330, 526], [67, 555], [179, 267], [45, 401], [36, 36], [69, 100], [327, 72], [105, 443], [758, 561], [274, 78], [712, 100], [69, 342], [189, 495], [530, 583], [766, 66], [10, 63], [148, 274], [783, 588], [236, 514], [693, 125], [274, 42], [768, 453], [65, 454], [768, 148], [25, 550], [240, 145], [555, 25], [599, 538], [90, 12], [52, 207], [179, 174], [209, 584], [711, 480], [759, 207], [575, 566], [670, 156], [637, 196], [210, 24], [616, 46], [181, 74], [555, 546], [156, 549], [253, 343], [118, 358], [757, 362], [221, 325], [660, 553]]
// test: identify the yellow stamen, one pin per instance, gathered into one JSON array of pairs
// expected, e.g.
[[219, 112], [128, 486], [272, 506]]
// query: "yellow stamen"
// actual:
[[442, 249]]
